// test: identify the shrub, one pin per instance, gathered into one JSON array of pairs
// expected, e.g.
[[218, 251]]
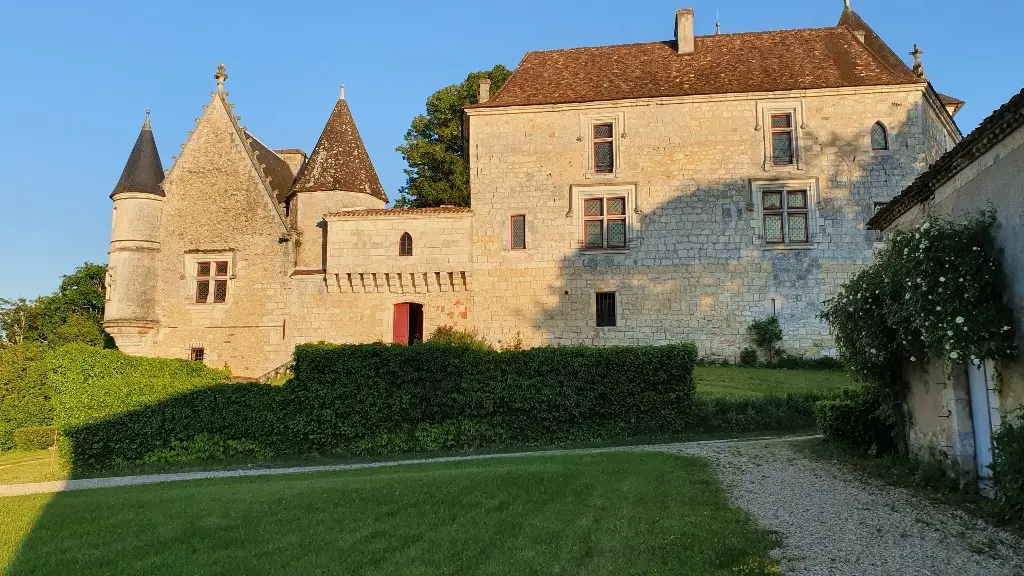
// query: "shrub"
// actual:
[[380, 399], [34, 438], [766, 333], [771, 413], [748, 356], [789, 362], [24, 391], [1008, 467], [452, 336], [860, 418]]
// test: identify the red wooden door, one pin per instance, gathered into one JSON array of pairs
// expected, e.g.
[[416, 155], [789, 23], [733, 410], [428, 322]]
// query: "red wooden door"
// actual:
[[400, 328]]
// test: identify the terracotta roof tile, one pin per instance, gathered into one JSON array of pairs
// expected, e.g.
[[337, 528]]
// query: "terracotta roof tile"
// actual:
[[143, 172], [802, 59], [340, 161], [403, 211], [874, 42], [1000, 124]]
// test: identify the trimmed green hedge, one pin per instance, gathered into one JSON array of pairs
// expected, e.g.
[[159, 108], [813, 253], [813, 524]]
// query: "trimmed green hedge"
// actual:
[[770, 413], [34, 438], [858, 418], [24, 393]]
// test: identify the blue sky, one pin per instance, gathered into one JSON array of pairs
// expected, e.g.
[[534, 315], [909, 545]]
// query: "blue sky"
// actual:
[[78, 76]]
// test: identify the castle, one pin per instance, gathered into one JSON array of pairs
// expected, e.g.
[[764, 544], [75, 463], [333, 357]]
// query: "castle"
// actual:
[[642, 193]]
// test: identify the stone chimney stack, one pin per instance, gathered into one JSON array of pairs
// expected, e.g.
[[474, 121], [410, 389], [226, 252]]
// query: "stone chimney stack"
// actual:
[[684, 31], [485, 90]]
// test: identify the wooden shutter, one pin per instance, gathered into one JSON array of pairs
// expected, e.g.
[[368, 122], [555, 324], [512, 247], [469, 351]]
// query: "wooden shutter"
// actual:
[[401, 324]]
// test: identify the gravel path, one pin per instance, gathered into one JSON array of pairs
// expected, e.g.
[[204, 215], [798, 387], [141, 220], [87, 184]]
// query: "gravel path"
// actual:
[[835, 524]]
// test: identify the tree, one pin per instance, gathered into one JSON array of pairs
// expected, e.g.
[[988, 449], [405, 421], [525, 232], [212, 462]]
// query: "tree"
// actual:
[[20, 320], [438, 172]]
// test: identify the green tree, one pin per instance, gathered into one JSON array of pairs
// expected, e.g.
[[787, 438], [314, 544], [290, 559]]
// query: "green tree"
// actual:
[[74, 313], [438, 172], [21, 320]]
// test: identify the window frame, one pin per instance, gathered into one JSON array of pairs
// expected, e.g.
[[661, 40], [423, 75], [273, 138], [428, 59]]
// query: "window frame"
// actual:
[[605, 217], [213, 278], [512, 232], [588, 124], [789, 130], [603, 321], [813, 233], [784, 211], [608, 141], [578, 196], [197, 353], [885, 135], [763, 123], [405, 244]]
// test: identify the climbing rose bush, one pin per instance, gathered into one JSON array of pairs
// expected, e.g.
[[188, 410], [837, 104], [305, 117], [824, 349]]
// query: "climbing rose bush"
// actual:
[[938, 289]]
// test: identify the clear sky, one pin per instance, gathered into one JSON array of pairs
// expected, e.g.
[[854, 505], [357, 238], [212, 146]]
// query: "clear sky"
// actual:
[[76, 78]]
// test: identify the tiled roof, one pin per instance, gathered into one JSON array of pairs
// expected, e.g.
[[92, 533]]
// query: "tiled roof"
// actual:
[[1000, 124], [274, 167], [873, 41], [143, 172], [947, 100], [802, 59], [340, 161], [403, 211]]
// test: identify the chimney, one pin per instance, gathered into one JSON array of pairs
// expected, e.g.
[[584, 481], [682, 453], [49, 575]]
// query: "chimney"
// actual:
[[684, 31], [860, 35], [485, 90]]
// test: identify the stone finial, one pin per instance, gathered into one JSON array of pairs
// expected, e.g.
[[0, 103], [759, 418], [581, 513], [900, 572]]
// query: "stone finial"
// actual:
[[918, 68], [718, 24], [145, 125], [220, 77], [341, 93], [846, 4]]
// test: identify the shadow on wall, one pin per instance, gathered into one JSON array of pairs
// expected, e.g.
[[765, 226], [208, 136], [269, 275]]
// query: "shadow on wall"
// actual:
[[698, 269]]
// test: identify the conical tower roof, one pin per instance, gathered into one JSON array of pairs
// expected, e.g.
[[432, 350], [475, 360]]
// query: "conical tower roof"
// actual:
[[339, 161], [143, 172]]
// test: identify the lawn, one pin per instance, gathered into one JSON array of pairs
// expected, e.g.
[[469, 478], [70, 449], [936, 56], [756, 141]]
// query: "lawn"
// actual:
[[608, 513], [740, 382], [29, 466]]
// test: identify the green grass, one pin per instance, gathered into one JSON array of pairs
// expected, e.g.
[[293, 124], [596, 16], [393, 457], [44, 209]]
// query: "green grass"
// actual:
[[740, 382], [19, 466], [610, 513]]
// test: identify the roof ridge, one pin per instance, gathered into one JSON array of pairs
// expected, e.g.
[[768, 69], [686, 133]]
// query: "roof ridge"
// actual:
[[650, 42]]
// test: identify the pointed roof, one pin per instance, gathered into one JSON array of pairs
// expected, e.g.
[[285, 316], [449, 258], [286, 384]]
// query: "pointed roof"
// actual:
[[143, 172], [873, 41], [340, 161], [274, 167]]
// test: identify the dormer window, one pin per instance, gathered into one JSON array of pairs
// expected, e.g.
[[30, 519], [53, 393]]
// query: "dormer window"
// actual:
[[405, 245], [782, 139], [879, 137], [604, 148]]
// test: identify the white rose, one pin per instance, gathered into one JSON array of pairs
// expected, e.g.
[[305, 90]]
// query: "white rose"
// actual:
[[959, 319], [953, 355], [912, 359]]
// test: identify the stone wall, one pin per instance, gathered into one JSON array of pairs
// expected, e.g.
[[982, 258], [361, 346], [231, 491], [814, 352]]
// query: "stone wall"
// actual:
[[696, 267]]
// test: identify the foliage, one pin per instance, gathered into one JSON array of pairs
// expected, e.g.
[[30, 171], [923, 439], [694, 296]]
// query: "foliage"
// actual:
[[452, 336], [383, 399], [1008, 467], [438, 172], [34, 438], [748, 356], [861, 418], [787, 361], [766, 334], [938, 289], [24, 392], [74, 313], [767, 413]]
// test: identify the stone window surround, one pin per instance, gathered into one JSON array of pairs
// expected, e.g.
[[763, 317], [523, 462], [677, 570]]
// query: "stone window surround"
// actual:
[[577, 193], [190, 275], [763, 122], [889, 139], [815, 223], [526, 231], [615, 312], [587, 123]]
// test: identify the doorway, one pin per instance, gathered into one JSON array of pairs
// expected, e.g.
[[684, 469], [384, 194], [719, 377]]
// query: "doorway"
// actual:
[[979, 379], [408, 324]]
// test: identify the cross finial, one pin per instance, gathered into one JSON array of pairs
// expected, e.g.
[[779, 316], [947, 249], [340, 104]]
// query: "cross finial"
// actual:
[[718, 24], [220, 77], [846, 4], [918, 68], [145, 125]]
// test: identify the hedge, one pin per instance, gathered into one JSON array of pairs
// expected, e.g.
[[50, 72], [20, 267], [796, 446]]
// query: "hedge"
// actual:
[[770, 413], [113, 409], [1008, 467], [34, 438], [24, 393], [858, 418]]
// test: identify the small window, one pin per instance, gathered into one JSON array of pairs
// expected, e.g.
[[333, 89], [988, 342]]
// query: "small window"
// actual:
[[879, 137], [197, 353], [606, 308], [604, 222], [405, 245], [785, 216], [604, 148], [875, 208], [518, 232], [212, 275], [782, 139]]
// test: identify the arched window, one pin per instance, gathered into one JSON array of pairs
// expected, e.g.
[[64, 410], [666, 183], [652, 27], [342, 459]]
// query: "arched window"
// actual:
[[879, 137], [405, 245]]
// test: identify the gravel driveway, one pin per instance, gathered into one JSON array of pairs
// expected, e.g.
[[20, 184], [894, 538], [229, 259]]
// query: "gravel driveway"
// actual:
[[835, 524]]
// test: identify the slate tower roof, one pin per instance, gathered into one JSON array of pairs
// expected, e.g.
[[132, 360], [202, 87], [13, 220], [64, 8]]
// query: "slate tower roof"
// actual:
[[340, 161], [143, 172]]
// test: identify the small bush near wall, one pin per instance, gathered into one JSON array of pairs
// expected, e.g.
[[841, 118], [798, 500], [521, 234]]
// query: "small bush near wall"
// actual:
[[34, 438], [387, 399], [770, 413], [1008, 468], [860, 418], [24, 392]]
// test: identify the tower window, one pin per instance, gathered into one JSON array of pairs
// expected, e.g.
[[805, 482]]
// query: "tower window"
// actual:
[[212, 276], [405, 245], [879, 137], [518, 232]]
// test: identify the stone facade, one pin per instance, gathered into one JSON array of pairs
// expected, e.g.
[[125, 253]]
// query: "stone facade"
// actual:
[[318, 259]]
